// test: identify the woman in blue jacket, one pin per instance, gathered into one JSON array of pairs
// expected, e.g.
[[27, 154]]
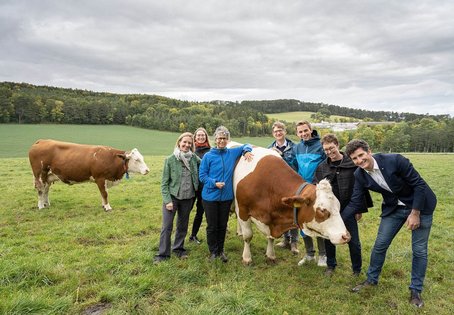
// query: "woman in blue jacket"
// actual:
[[216, 174]]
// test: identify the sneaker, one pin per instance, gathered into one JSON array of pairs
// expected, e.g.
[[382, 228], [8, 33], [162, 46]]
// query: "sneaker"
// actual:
[[294, 248], [306, 259], [356, 274], [284, 244], [322, 261], [223, 257], [416, 299], [194, 239], [362, 285]]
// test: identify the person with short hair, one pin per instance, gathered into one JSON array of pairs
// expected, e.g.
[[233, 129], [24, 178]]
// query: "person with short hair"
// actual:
[[338, 168], [407, 199], [178, 186], [284, 147], [216, 174], [308, 154]]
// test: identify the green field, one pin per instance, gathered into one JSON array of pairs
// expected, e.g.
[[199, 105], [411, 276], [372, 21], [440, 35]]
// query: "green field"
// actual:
[[74, 258], [297, 116], [17, 139]]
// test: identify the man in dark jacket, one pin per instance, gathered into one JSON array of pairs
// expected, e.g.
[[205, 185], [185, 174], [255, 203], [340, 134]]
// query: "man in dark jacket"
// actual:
[[338, 168], [407, 199]]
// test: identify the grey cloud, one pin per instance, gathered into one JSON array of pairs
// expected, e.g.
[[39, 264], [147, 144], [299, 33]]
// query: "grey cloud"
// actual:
[[376, 55]]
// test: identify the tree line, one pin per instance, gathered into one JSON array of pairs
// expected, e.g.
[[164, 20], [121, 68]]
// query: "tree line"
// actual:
[[30, 104]]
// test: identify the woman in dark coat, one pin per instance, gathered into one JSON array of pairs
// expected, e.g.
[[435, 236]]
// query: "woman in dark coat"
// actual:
[[202, 146]]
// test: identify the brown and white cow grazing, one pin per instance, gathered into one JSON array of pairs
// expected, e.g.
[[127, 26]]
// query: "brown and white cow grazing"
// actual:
[[270, 194], [72, 163]]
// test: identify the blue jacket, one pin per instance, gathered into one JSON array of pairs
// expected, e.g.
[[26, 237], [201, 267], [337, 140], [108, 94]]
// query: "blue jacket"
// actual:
[[308, 155], [218, 166], [404, 181], [287, 155]]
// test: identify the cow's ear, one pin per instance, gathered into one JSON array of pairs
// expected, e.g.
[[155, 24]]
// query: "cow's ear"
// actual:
[[288, 201], [122, 156], [295, 201]]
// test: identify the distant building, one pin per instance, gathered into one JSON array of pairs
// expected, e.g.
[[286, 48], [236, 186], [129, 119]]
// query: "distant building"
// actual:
[[336, 126]]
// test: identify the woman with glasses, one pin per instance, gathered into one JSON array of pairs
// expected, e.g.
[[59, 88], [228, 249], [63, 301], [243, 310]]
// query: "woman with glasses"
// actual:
[[216, 175]]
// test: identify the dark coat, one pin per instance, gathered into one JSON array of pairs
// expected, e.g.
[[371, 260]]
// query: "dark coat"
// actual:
[[342, 180], [404, 181]]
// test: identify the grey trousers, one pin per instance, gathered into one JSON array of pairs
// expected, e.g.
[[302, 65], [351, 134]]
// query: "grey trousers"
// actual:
[[310, 251], [183, 208]]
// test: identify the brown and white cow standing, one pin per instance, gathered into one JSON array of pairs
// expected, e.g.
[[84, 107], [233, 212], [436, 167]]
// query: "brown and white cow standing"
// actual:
[[267, 191], [72, 163]]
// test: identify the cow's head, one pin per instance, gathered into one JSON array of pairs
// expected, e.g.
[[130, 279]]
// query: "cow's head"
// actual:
[[327, 222], [136, 164]]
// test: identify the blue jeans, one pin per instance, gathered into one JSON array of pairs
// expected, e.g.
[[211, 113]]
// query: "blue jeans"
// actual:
[[389, 226]]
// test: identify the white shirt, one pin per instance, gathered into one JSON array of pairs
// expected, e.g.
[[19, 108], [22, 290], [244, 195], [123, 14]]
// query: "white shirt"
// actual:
[[377, 176]]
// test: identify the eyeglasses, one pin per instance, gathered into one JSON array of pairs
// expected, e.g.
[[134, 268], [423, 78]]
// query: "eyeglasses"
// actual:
[[331, 148], [220, 139]]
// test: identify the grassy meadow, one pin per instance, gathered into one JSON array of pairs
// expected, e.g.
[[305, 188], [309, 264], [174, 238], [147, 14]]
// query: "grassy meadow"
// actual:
[[297, 116], [74, 258]]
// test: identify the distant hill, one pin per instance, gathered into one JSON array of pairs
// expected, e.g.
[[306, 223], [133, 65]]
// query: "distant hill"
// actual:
[[31, 104]]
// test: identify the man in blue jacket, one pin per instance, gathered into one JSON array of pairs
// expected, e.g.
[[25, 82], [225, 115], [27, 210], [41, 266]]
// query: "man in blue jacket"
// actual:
[[407, 199], [308, 154]]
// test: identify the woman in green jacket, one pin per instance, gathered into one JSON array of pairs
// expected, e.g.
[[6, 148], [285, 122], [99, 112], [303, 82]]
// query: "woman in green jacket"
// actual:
[[178, 186]]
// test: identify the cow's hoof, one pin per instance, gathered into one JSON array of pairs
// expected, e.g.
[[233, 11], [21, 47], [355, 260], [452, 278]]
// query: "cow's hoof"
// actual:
[[247, 262], [270, 261]]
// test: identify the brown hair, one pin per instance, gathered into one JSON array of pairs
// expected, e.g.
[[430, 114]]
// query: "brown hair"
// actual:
[[330, 138], [207, 141], [304, 122], [356, 144]]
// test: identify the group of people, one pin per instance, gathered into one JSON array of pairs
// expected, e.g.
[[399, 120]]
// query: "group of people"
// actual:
[[197, 172]]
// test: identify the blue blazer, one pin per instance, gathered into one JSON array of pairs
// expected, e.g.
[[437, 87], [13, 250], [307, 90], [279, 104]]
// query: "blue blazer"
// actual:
[[404, 181]]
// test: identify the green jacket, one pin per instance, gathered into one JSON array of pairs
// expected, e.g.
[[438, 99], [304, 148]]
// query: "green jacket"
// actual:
[[171, 176]]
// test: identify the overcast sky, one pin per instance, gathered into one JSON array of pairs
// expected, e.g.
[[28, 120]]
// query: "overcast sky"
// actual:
[[374, 55]]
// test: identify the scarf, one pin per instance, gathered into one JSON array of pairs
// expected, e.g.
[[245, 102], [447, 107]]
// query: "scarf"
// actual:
[[183, 157]]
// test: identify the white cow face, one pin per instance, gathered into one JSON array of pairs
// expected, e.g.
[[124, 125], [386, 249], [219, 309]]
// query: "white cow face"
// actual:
[[136, 163], [332, 228]]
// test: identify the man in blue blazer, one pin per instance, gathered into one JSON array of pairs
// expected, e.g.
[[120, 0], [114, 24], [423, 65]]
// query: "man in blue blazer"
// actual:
[[407, 199]]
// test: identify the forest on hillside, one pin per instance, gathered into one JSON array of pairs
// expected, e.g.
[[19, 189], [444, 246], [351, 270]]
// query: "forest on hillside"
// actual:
[[24, 103]]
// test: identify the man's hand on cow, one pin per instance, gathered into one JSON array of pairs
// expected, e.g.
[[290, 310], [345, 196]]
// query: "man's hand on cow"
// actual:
[[248, 156], [220, 185], [358, 216], [413, 220], [169, 206]]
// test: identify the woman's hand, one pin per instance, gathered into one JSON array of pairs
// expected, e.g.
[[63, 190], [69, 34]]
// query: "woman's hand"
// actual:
[[248, 156], [169, 206], [220, 185]]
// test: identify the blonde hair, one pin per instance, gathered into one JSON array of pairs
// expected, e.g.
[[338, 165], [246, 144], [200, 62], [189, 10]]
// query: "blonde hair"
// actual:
[[185, 134], [279, 124]]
